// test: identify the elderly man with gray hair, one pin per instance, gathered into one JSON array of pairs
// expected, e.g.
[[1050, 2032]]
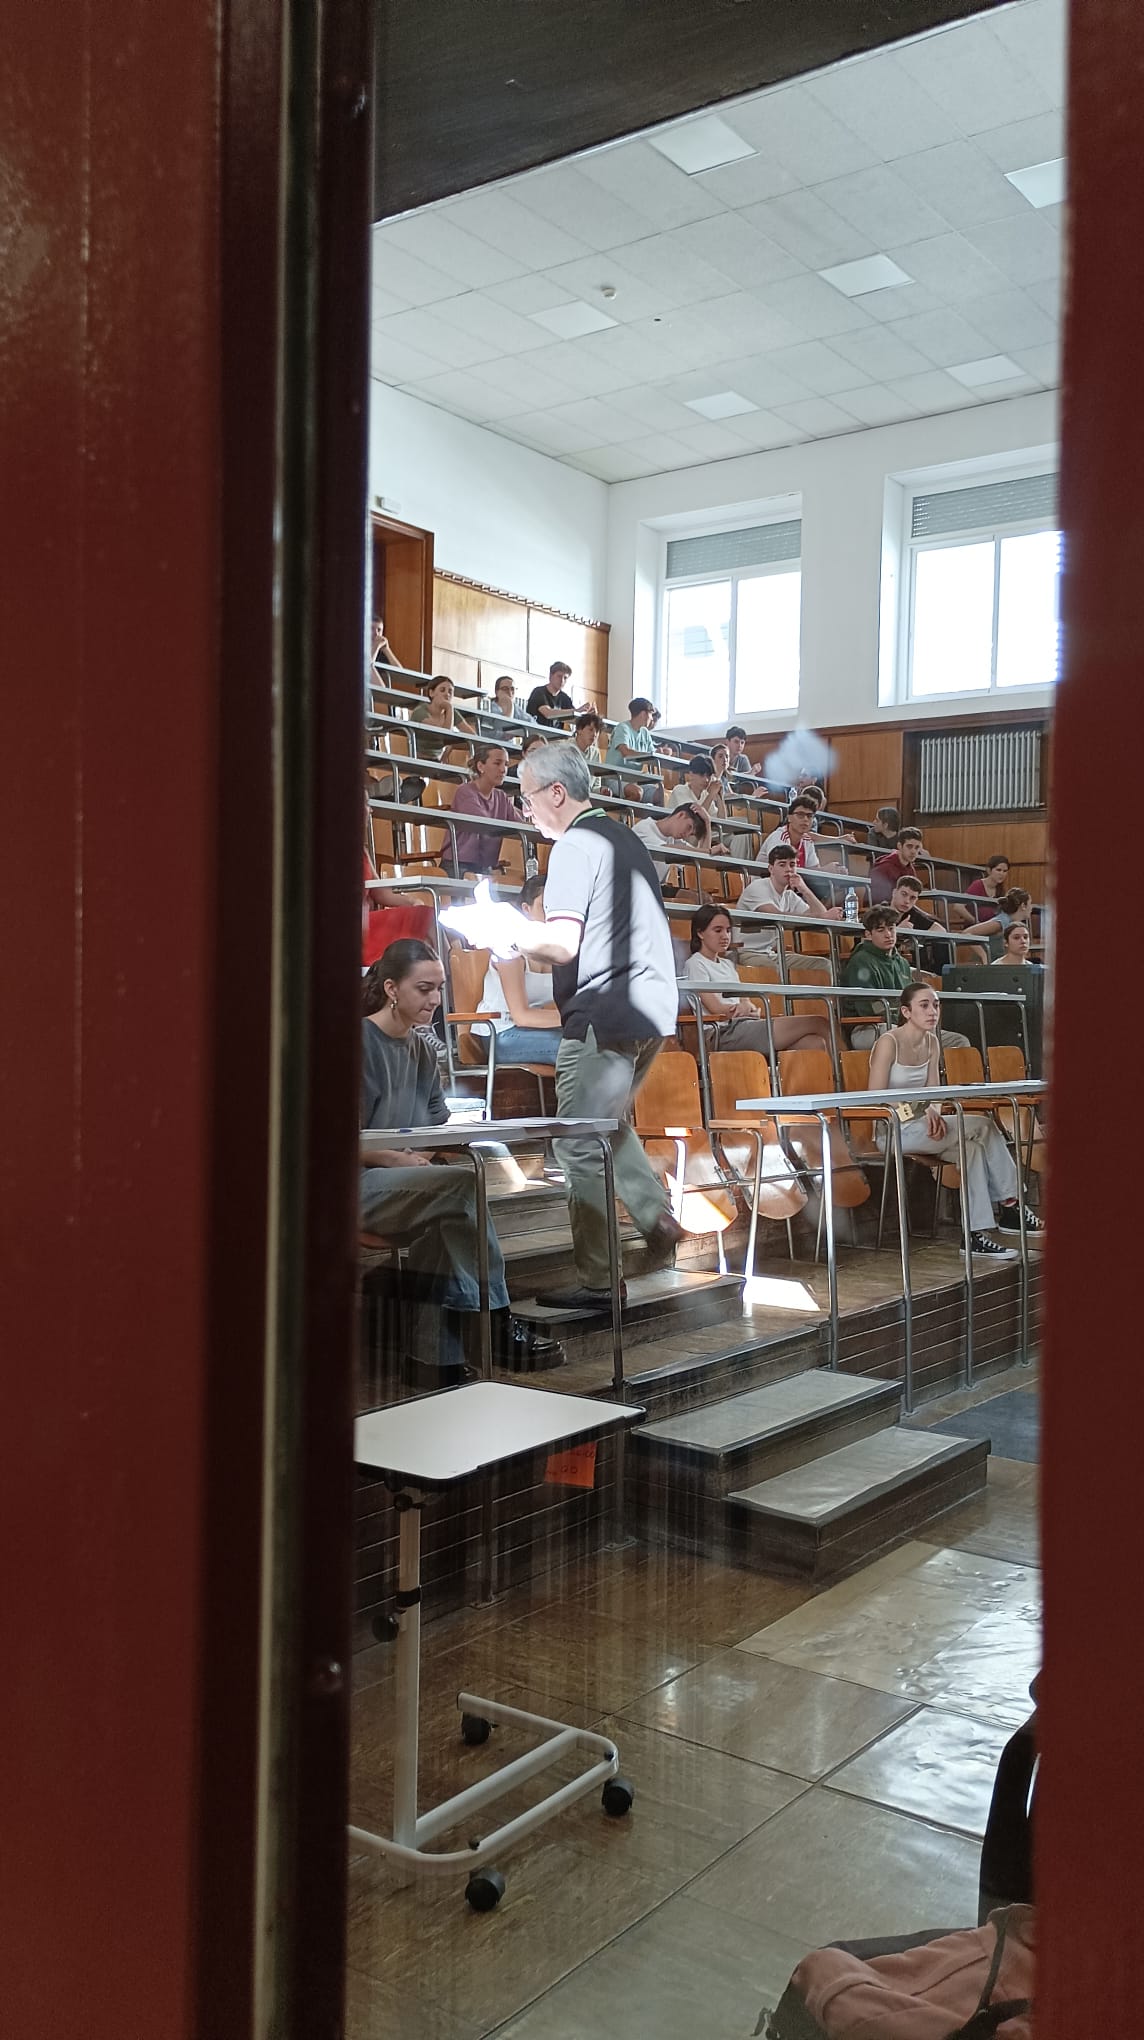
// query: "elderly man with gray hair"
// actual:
[[606, 936]]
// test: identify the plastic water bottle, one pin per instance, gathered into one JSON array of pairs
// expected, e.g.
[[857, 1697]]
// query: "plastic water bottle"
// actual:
[[850, 909], [531, 867]]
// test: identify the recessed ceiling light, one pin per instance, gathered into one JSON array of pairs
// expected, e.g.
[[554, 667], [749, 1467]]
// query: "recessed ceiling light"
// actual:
[[1042, 183], [724, 404], [569, 321], [990, 369], [701, 144], [873, 272]]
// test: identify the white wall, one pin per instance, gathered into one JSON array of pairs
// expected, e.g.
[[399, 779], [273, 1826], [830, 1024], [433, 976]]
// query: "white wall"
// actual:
[[499, 513], [842, 486]]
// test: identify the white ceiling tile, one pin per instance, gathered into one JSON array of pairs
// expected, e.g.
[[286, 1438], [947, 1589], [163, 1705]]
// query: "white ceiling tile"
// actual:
[[950, 266], [961, 184], [527, 294], [991, 369], [584, 372], [734, 245], [817, 367], [574, 319], [1025, 141], [758, 377], [504, 331], [427, 334], [638, 353], [523, 379], [975, 77], [1044, 363], [738, 324], [887, 108], [722, 404], [393, 360], [385, 304], [1035, 35], [809, 229], [430, 237], [1042, 185], [904, 303], [583, 208], [874, 404], [818, 417], [465, 394], [634, 299], [744, 183], [932, 392], [414, 281], [879, 352], [714, 442], [497, 217], [1009, 319], [702, 143], [1049, 296], [644, 178], [604, 425], [612, 464], [882, 207], [943, 337], [654, 409], [670, 265], [764, 429], [793, 128], [813, 309], [663, 449], [547, 433], [1025, 250], [870, 274]]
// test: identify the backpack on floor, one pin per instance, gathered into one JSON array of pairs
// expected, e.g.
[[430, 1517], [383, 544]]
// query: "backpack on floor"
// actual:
[[976, 1984]]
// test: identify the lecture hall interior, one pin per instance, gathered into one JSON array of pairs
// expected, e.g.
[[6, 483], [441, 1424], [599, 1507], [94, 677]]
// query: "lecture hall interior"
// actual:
[[566, 1292]]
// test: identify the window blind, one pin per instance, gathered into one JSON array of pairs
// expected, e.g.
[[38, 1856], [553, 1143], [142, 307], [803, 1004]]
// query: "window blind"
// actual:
[[984, 506], [760, 545]]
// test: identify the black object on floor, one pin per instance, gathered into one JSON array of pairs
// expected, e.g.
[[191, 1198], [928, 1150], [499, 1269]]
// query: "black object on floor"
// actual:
[[1012, 1423]]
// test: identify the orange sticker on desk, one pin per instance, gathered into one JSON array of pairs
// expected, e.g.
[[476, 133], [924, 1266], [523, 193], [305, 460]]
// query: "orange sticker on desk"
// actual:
[[574, 1468]]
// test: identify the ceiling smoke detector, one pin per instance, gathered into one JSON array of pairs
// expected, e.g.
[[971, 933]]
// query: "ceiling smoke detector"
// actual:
[[608, 290]]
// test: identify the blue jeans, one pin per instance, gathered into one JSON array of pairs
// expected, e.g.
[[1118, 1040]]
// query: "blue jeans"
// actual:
[[528, 1044]]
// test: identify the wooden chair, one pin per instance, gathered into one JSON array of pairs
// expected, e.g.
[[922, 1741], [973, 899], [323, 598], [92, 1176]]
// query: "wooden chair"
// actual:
[[805, 1071], [668, 1117], [1007, 1066], [744, 1073], [468, 969]]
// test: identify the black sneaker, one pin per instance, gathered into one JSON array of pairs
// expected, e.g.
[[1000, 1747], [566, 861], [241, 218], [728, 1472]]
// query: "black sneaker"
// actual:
[[981, 1243], [520, 1348], [581, 1298], [661, 1243], [1009, 1219]]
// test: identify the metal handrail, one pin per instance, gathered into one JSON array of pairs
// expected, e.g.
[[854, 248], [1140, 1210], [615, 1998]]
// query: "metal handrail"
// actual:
[[823, 1106]]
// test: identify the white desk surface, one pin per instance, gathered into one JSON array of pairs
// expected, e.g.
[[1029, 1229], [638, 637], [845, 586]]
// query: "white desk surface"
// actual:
[[447, 1437], [463, 1133]]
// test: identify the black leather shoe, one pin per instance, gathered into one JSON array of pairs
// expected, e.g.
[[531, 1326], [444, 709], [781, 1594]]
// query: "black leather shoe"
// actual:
[[661, 1243], [581, 1298], [521, 1348]]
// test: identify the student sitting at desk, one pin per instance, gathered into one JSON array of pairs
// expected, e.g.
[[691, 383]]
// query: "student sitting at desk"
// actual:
[[504, 696], [430, 1209], [878, 962], [740, 1024], [1016, 943], [531, 1031], [783, 891], [478, 850], [549, 703], [435, 713], [661, 836], [631, 741]]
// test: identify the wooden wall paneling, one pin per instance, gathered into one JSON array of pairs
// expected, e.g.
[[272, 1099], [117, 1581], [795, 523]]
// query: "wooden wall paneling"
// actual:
[[457, 665], [867, 768], [479, 623]]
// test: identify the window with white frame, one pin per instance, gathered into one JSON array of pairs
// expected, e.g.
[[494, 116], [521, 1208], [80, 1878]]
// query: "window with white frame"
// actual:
[[731, 623], [982, 609]]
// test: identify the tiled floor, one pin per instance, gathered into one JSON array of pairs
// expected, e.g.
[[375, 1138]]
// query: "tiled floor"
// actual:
[[809, 1766]]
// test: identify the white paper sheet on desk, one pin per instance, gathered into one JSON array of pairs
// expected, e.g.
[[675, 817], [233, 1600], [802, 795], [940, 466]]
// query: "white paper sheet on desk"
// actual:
[[487, 923]]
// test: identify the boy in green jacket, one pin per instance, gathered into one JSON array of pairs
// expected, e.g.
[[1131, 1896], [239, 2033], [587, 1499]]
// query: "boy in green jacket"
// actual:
[[877, 964]]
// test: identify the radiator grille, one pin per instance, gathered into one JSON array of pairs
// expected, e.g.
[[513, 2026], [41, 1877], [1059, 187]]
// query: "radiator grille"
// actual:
[[980, 771]]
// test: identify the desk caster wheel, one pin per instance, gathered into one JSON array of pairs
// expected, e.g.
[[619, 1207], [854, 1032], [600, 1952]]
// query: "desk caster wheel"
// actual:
[[617, 1797], [475, 1729], [485, 1890], [386, 1628]]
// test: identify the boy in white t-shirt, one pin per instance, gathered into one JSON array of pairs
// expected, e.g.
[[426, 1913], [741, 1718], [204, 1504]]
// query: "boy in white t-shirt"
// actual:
[[784, 891]]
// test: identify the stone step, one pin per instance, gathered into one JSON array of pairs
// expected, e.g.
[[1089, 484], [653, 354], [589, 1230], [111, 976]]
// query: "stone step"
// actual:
[[658, 1306], [824, 1518], [759, 1433], [705, 1364]]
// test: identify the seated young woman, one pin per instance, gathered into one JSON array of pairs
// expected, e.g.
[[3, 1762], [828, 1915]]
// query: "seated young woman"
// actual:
[[531, 1033], [739, 1023], [906, 1059], [428, 1205]]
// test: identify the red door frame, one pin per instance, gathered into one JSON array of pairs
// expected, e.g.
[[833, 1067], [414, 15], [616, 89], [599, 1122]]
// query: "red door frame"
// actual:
[[150, 523]]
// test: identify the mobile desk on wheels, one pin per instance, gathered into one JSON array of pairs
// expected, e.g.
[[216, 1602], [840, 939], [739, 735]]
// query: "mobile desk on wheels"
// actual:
[[419, 1448]]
